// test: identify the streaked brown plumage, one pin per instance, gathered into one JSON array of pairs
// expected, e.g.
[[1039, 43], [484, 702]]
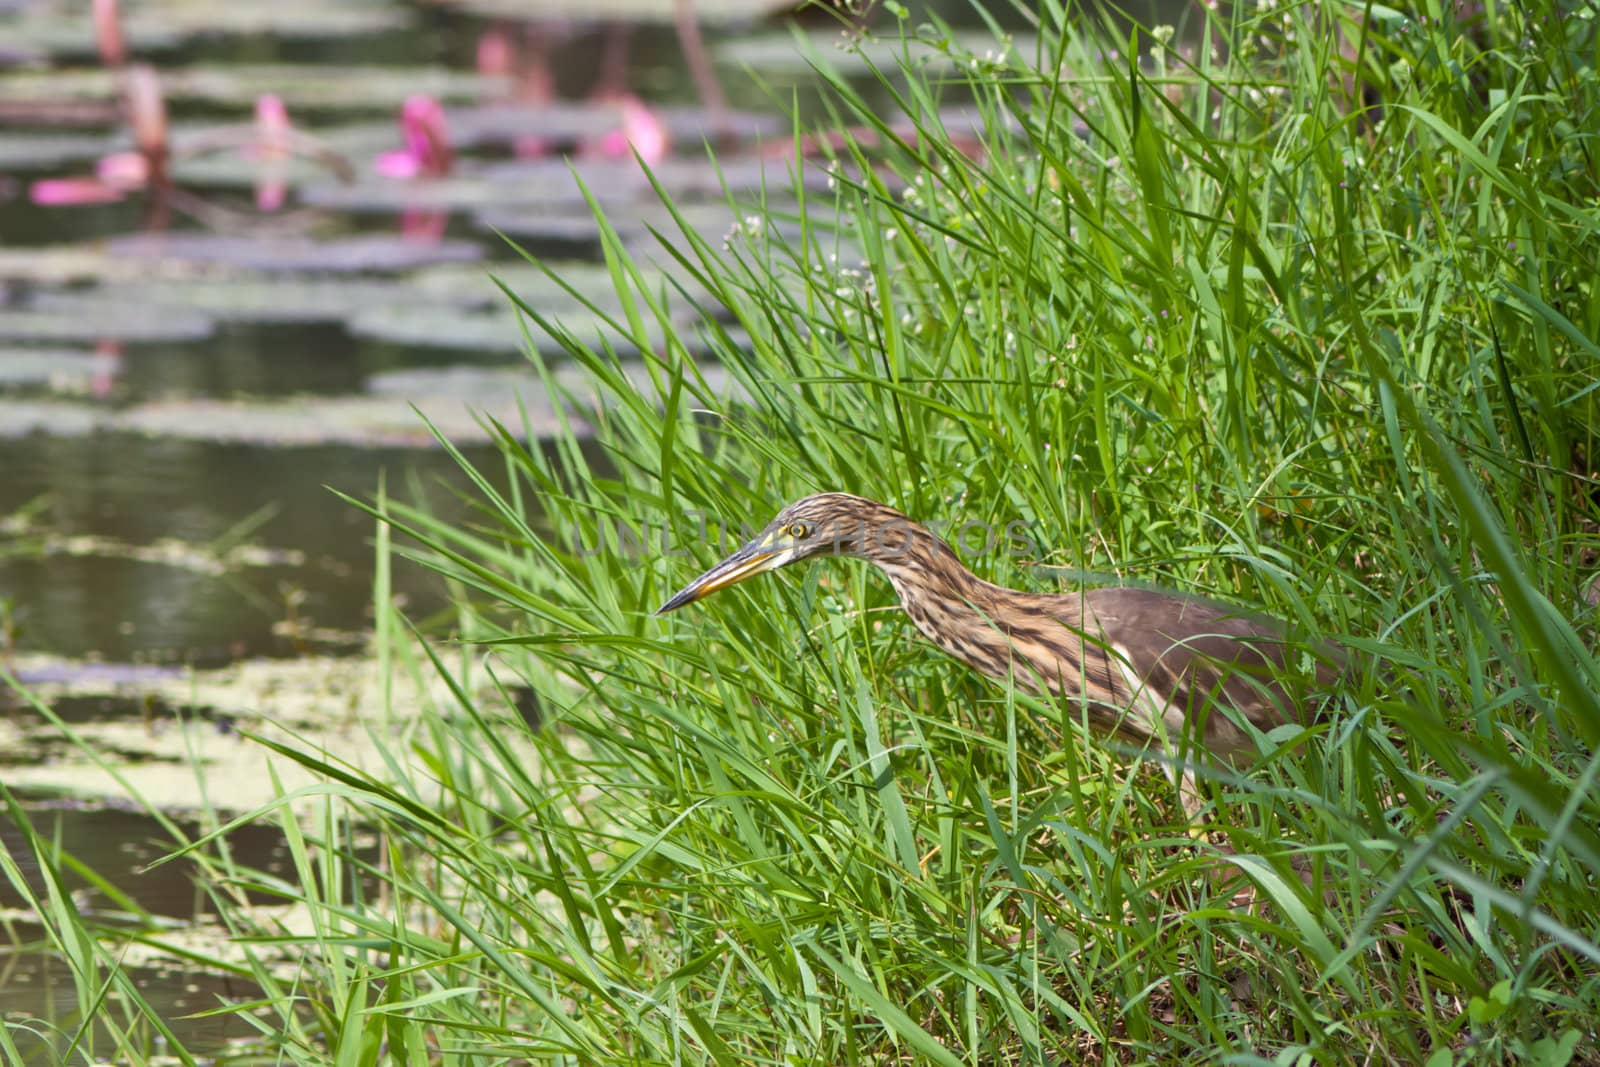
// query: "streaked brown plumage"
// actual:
[[1142, 663]]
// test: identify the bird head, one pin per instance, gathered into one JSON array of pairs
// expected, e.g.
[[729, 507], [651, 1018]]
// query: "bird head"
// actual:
[[827, 524]]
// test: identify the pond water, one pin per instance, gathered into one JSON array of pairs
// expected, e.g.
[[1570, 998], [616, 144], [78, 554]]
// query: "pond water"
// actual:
[[178, 387]]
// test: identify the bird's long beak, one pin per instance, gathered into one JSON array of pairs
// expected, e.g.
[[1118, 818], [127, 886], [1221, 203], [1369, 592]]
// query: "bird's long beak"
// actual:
[[754, 558]]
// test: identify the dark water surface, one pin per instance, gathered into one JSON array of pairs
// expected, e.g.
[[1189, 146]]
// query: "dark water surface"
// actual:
[[84, 516], [139, 490]]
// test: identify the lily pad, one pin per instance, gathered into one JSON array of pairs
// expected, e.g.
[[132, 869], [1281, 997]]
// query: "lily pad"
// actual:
[[530, 223], [344, 255], [105, 676], [455, 400], [67, 264], [461, 192], [475, 284], [21, 152], [298, 85], [796, 54], [261, 299], [659, 11], [54, 367], [498, 330], [463, 382], [551, 185], [364, 421], [569, 123], [223, 156], [443, 327], [22, 418], [682, 177], [81, 319], [66, 30], [712, 221], [303, 19], [270, 298], [286, 700], [562, 126], [485, 386], [17, 54]]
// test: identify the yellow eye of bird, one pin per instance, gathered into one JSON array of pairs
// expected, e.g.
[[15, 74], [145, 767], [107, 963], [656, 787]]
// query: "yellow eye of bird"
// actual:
[[799, 531]]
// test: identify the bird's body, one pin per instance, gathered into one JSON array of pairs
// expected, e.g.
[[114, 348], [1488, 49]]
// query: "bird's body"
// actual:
[[1139, 663]]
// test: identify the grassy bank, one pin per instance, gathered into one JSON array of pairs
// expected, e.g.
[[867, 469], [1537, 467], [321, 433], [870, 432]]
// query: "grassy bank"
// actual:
[[1299, 310]]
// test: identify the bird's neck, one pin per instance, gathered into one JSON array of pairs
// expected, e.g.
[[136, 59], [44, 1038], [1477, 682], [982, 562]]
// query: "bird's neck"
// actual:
[[920, 563], [954, 608]]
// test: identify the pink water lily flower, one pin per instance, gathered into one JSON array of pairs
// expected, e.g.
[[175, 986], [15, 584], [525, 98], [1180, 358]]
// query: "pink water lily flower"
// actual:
[[427, 152], [641, 132], [71, 192], [272, 149], [120, 172], [115, 177]]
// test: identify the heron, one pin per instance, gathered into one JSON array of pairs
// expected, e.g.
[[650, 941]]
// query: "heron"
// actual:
[[1143, 665]]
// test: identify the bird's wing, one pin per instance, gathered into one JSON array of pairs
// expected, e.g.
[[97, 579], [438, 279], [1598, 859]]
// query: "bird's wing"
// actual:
[[1189, 656]]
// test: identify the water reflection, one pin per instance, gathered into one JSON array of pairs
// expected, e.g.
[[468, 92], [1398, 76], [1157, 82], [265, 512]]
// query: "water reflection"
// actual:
[[139, 491], [39, 1001], [119, 845]]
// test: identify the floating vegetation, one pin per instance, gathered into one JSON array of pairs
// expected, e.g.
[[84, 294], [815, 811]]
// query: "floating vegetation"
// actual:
[[444, 327], [303, 700], [660, 11], [360, 421], [483, 385], [226, 156], [490, 331], [23, 152], [449, 291], [567, 123], [799, 54], [63, 29], [21, 418], [557, 186], [713, 221], [60, 369], [259, 298], [557, 128], [99, 677], [447, 305], [211, 560], [71, 264], [342, 255], [455, 400], [299, 86], [199, 257], [475, 285], [80, 318]]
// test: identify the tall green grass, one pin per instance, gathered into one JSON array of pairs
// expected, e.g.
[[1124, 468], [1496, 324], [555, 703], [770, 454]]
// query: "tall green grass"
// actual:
[[1296, 309]]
